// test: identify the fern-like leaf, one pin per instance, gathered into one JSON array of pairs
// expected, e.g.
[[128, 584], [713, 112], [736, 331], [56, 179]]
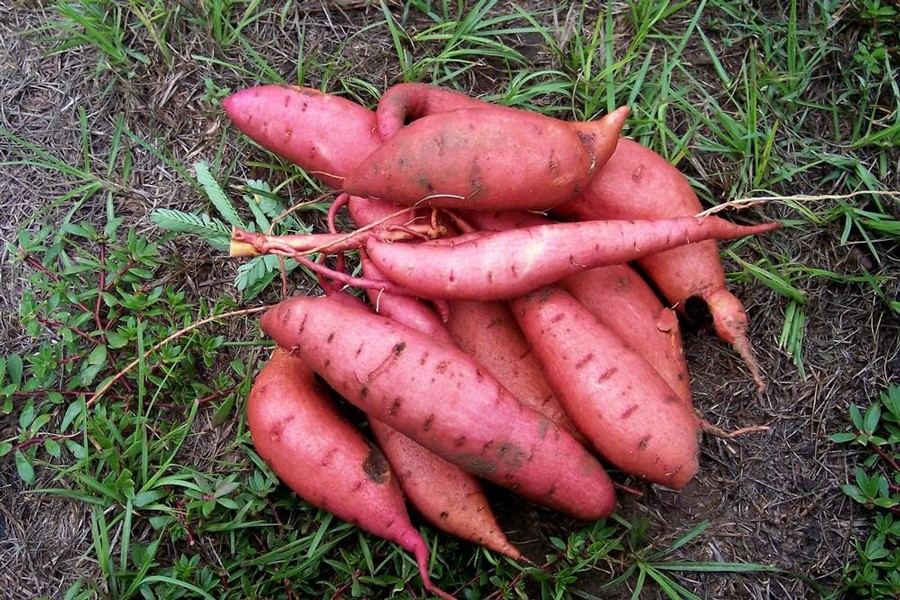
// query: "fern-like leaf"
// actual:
[[216, 195], [212, 230]]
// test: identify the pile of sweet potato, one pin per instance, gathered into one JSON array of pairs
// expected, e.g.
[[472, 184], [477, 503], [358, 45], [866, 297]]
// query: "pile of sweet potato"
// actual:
[[506, 335]]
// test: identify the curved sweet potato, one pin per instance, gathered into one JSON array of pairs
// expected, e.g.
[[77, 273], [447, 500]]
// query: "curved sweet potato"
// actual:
[[406, 102], [479, 159], [505, 264], [614, 396], [448, 497], [638, 183], [324, 459], [325, 134], [438, 396]]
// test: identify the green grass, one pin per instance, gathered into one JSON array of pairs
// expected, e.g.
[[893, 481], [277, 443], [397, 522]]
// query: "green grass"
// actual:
[[167, 519]]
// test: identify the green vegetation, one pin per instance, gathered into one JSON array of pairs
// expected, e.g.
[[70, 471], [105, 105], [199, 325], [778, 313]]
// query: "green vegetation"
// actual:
[[182, 507], [876, 486]]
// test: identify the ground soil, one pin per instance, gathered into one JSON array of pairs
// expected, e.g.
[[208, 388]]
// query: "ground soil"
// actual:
[[771, 497]]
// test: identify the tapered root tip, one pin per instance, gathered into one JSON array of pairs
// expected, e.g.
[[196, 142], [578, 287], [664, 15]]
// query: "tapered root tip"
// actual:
[[420, 550], [730, 321], [742, 347]]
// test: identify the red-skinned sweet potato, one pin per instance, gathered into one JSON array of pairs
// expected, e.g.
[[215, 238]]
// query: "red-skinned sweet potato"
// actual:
[[448, 497], [324, 459], [614, 396], [438, 396], [638, 183], [325, 134], [621, 300], [478, 159], [505, 264], [406, 102]]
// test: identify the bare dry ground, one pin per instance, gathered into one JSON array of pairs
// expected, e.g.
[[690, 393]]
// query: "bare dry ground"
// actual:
[[771, 498]]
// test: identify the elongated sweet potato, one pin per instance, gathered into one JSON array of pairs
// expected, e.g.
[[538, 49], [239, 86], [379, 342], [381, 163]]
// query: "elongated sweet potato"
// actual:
[[325, 134], [406, 102], [324, 459], [505, 264], [621, 300], [438, 396], [638, 183], [448, 497], [614, 396], [479, 159]]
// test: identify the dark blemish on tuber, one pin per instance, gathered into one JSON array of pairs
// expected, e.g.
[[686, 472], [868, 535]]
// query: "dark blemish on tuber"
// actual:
[[363, 391], [476, 178], [394, 408], [557, 318], [671, 400], [607, 374], [376, 467], [399, 348], [359, 350], [302, 325], [584, 361], [330, 338], [629, 411], [645, 441], [423, 359], [326, 460], [429, 421], [637, 173], [444, 515], [461, 440], [442, 367]]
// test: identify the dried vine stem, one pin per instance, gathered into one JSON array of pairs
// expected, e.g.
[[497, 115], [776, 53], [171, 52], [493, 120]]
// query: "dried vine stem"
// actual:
[[742, 203]]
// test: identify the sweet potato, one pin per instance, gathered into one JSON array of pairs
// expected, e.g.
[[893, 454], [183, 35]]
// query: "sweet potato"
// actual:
[[325, 134], [621, 300], [480, 159], [406, 102], [488, 332], [638, 183], [615, 397], [438, 396], [324, 459], [500, 265], [448, 497]]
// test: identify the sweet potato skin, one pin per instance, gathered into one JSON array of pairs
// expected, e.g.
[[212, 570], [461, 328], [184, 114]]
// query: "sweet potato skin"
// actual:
[[448, 497], [616, 398], [325, 134], [438, 396], [506, 264], [621, 300], [638, 183], [488, 332], [480, 159], [323, 458]]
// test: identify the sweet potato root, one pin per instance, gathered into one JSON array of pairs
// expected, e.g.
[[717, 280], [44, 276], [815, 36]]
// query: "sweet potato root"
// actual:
[[614, 396], [324, 459], [637, 183], [501, 265], [325, 134], [438, 396], [480, 159]]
